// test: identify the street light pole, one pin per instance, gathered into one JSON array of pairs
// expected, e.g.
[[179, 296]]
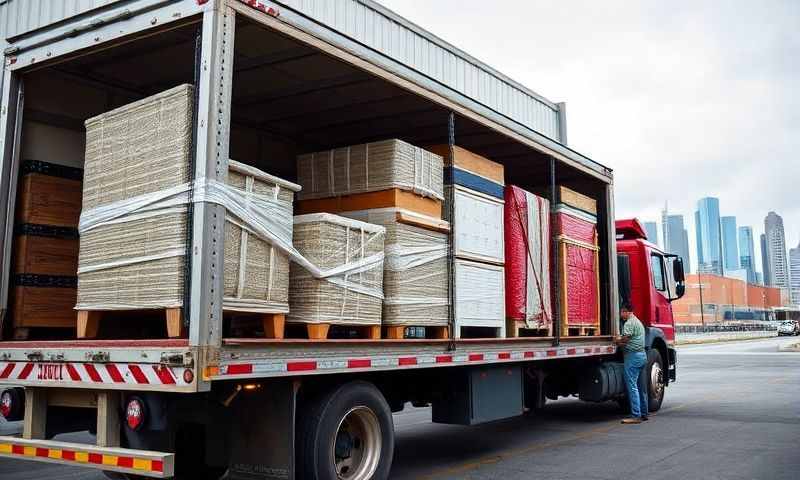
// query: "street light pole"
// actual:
[[702, 314]]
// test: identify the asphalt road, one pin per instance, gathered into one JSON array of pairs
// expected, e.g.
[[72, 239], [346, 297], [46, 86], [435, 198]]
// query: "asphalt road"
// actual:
[[733, 414]]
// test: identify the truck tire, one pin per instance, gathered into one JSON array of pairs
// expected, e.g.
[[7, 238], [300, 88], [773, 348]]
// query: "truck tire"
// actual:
[[346, 433], [657, 385]]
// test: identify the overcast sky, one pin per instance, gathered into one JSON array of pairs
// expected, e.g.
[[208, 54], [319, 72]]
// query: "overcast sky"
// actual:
[[682, 99]]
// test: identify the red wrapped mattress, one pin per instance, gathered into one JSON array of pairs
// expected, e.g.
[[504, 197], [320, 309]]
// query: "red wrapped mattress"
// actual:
[[527, 252], [578, 267]]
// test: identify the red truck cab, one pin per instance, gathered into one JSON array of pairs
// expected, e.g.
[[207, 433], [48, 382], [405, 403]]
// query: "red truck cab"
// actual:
[[650, 279]]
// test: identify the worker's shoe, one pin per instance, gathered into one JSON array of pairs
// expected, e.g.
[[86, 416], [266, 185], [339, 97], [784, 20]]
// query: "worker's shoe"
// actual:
[[632, 420], [644, 418]]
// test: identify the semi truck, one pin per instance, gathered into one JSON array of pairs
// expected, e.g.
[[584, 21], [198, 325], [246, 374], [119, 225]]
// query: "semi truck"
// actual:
[[274, 79]]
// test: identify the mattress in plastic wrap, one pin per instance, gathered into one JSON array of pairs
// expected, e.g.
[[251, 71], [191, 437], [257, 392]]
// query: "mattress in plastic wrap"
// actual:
[[415, 286], [578, 266], [370, 167], [350, 256], [527, 256]]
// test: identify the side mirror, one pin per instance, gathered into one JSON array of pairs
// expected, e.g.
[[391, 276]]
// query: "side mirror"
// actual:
[[677, 272], [680, 290]]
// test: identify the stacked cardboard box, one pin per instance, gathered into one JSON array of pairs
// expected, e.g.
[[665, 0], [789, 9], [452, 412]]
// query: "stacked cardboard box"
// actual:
[[474, 207], [45, 247], [527, 254], [134, 221], [347, 286], [399, 187], [575, 226]]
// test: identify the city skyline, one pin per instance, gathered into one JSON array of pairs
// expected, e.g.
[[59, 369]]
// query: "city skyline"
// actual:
[[752, 255]]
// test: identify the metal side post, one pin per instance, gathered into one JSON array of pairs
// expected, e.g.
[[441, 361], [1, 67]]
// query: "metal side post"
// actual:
[[212, 145]]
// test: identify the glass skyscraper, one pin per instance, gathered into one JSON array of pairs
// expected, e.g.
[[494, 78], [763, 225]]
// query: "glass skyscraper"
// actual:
[[730, 244], [794, 277], [767, 278], [652, 232], [747, 255], [776, 251], [675, 237], [709, 243]]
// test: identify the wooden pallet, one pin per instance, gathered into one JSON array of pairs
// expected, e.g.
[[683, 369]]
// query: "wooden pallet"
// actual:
[[244, 324], [325, 331], [397, 332], [480, 332], [89, 322], [582, 330], [515, 329]]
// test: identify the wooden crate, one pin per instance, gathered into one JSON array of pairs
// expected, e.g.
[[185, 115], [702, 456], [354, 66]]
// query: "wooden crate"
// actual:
[[580, 285], [45, 255], [43, 306], [47, 199], [390, 198]]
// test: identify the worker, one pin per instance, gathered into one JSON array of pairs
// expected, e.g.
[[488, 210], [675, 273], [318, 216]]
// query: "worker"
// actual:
[[632, 343]]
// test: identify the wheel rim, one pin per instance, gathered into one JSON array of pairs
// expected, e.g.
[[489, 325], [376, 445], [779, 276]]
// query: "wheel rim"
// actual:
[[357, 445], [657, 380]]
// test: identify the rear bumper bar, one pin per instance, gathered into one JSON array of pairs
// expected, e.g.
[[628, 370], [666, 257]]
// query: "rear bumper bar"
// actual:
[[139, 462]]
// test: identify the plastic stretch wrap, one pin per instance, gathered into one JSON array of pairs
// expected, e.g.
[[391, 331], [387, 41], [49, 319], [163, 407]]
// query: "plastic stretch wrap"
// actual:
[[578, 266], [479, 296], [527, 251], [134, 152], [352, 249], [415, 271], [477, 224], [370, 167]]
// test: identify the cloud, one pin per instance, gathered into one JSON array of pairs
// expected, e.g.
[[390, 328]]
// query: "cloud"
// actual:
[[683, 100]]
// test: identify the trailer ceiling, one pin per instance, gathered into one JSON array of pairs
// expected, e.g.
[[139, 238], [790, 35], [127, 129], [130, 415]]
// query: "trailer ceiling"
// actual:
[[290, 98]]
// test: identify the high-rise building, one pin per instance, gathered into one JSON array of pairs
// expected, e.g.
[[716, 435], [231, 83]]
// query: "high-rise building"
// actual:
[[651, 228], [759, 278], [767, 278], [794, 274], [675, 236], [776, 251], [709, 244], [730, 244], [747, 255]]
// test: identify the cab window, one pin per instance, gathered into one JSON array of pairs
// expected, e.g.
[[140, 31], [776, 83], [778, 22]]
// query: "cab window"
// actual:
[[657, 267]]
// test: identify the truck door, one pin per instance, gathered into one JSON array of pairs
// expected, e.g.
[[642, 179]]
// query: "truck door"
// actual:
[[662, 308]]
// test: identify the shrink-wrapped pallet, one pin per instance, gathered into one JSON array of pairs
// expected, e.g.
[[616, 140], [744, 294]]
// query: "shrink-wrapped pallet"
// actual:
[[256, 271], [415, 268], [578, 268], [479, 297], [370, 167], [345, 285], [527, 255], [477, 223], [135, 214], [136, 260]]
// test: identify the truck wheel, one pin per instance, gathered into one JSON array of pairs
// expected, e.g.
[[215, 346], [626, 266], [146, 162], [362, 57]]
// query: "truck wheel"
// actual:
[[346, 434], [655, 368]]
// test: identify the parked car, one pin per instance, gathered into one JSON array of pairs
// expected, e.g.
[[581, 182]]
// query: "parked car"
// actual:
[[789, 327]]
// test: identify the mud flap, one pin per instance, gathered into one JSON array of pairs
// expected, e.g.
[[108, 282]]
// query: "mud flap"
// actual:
[[262, 443]]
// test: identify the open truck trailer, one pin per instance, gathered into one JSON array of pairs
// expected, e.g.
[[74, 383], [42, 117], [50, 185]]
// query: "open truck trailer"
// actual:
[[274, 80]]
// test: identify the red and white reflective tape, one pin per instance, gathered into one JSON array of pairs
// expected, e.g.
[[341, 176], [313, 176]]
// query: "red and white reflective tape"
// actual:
[[94, 373], [277, 367]]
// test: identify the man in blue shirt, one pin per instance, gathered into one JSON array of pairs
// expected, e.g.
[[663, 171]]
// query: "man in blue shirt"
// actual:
[[632, 342]]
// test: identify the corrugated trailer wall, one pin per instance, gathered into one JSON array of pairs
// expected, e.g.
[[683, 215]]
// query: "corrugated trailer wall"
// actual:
[[368, 23]]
